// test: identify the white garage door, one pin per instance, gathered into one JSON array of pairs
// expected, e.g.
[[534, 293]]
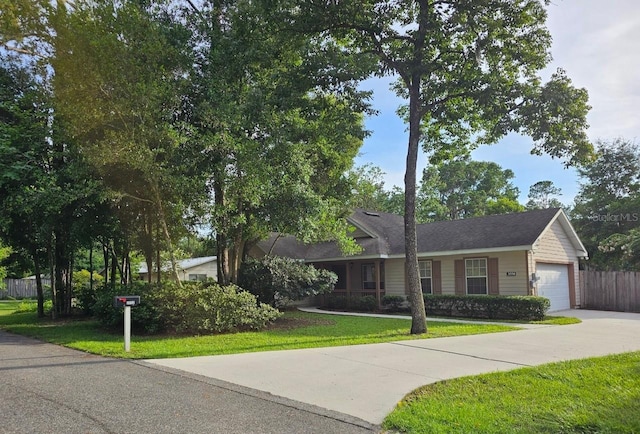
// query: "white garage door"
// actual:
[[554, 285]]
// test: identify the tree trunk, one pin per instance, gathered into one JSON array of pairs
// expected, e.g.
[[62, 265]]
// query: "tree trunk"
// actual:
[[158, 267], [167, 235], [52, 273], [39, 291], [418, 314], [105, 255], [91, 268], [221, 238]]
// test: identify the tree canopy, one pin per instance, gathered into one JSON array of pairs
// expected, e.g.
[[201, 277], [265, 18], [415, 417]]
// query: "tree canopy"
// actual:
[[607, 208]]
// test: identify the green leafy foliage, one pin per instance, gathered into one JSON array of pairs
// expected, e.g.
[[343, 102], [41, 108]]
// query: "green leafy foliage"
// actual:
[[541, 196], [192, 308], [145, 318], [4, 254], [364, 303], [463, 188], [393, 303], [84, 294], [489, 307], [207, 307], [277, 280], [607, 209]]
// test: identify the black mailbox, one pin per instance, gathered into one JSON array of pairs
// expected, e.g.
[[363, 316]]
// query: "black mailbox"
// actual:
[[126, 300]]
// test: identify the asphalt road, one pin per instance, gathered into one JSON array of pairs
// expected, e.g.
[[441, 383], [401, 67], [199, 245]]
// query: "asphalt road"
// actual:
[[45, 388]]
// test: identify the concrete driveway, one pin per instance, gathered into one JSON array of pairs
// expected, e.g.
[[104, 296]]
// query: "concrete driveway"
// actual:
[[367, 381]]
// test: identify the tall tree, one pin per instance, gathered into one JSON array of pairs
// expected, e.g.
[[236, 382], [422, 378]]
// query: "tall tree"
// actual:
[[122, 113], [607, 208], [45, 190], [280, 120], [468, 70], [463, 188], [541, 196]]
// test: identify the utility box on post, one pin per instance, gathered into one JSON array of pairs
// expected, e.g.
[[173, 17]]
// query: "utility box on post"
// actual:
[[126, 301]]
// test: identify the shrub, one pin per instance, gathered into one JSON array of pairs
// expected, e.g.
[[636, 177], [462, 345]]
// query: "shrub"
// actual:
[[194, 307], [335, 302], [277, 281], [85, 297], [393, 302], [366, 303], [205, 307], [490, 307], [32, 306], [144, 318]]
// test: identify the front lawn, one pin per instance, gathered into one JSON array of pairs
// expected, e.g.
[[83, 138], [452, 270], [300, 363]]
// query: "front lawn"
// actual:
[[294, 330], [599, 395]]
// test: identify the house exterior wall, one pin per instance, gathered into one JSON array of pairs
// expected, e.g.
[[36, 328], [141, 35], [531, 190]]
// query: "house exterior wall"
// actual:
[[555, 247], [512, 262], [507, 262], [208, 268], [395, 281]]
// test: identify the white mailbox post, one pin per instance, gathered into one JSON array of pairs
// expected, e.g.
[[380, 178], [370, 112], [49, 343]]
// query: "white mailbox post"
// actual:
[[126, 301]]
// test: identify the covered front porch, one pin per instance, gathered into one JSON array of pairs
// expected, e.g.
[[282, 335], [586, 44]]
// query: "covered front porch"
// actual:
[[358, 278]]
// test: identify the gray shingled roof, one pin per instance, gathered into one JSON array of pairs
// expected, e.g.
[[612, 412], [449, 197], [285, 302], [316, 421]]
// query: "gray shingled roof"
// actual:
[[490, 232]]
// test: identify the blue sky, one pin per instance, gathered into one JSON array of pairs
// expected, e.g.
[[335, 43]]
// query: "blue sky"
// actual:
[[595, 41]]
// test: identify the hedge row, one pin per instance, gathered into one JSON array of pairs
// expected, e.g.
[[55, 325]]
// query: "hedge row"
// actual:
[[367, 303], [469, 306], [488, 307]]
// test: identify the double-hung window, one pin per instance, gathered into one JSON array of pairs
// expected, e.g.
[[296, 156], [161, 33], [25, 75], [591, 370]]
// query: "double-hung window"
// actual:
[[476, 276], [197, 277], [424, 267]]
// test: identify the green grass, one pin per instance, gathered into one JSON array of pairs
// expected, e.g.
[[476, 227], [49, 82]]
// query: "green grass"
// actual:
[[294, 330], [558, 320], [599, 395]]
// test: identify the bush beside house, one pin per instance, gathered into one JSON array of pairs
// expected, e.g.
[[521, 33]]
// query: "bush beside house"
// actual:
[[526, 308], [488, 307], [278, 280]]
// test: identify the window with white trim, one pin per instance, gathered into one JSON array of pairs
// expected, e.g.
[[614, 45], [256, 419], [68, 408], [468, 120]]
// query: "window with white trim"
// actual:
[[476, 276], [424, 267]]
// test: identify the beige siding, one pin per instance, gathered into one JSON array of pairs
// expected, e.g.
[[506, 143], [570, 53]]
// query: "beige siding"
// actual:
[[507, 262], [209, 268], [394, 277], [555, 247]]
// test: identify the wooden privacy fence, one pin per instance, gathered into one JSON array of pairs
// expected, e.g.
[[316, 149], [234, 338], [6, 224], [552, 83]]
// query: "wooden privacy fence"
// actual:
[[610, 290], [21, 288]]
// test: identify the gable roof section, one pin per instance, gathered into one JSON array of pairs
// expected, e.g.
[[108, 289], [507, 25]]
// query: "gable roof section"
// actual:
[[505, 231], [517, 231]]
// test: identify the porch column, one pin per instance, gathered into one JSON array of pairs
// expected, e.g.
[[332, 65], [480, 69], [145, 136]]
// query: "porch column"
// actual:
[[348, 288], [378, 284]]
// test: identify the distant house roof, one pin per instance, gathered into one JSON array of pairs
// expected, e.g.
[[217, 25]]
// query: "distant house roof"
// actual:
[[381, 235], [183, 264]]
